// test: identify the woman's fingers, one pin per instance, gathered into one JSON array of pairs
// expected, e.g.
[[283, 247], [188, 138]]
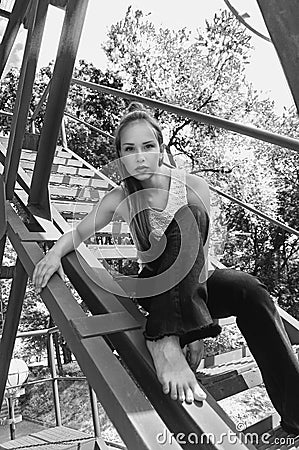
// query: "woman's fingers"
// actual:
[[44, 271]]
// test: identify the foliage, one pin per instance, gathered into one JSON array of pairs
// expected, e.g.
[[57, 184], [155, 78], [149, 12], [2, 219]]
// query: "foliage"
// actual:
[[205, 72], [97, 109], [198, 72]]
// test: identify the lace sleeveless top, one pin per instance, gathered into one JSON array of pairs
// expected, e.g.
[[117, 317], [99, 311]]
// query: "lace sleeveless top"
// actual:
[[160, 220]]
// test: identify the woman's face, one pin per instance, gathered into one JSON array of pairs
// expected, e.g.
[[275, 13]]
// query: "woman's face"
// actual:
[[140, 150]]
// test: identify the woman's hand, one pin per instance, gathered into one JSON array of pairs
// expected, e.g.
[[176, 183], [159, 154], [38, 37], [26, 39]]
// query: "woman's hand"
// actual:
[[44, 269]]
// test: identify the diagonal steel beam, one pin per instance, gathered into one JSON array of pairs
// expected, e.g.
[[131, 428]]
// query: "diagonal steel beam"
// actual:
[[16, 18], [60, 82], [38, 12], [11, 323], [282, 20]]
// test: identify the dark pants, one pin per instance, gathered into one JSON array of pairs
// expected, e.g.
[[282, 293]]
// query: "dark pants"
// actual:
[[189, 307]]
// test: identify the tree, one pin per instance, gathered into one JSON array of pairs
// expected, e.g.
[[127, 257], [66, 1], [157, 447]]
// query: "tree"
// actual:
[[97, 109], [205, 72], [198, 71]]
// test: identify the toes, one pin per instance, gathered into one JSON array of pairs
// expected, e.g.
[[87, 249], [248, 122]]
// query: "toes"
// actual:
[[165, 387], [198, 393], [173, 391], [181, 393], [189, 395]]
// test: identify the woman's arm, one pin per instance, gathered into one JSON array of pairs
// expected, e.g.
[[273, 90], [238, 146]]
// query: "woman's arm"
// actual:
[[198, 192], [97, 219]]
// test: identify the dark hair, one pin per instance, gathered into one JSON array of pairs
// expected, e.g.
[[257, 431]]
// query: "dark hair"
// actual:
[[139, 220]]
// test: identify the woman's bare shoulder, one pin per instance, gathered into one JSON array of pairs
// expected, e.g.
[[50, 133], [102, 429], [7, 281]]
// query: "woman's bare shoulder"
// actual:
[[116, 194], [197, 190]]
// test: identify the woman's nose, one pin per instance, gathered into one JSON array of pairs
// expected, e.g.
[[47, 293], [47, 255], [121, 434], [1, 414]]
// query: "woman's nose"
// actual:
[[139, 155]]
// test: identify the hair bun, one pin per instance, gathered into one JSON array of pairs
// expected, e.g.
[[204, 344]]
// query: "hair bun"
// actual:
[[135, 106]]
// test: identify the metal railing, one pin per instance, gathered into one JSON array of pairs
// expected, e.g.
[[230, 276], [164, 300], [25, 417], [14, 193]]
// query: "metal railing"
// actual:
[[257, 133], [244, 205], [55, 378]]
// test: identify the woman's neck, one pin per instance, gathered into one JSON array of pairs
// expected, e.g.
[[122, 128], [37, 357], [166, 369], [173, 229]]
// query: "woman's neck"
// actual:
[[159, 180]]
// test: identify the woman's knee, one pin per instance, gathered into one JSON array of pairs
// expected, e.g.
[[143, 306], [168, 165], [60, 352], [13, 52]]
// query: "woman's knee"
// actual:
[[253, 293]]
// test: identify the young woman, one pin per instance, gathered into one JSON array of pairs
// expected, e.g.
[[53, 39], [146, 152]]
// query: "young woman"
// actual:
[[168, 213]]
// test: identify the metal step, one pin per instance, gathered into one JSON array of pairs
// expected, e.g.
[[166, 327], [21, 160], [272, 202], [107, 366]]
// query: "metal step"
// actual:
[[229, 376]]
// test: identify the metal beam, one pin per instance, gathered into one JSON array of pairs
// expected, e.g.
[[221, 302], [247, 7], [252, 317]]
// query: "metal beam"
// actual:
[[62, 74], [11, 323], [4, 13], [282, 20], [16, 18], [247, 130], [21, 108]]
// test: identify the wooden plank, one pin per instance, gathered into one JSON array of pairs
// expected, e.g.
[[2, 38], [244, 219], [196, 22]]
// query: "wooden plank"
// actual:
[[56, 178], [74, 162], [232, 382], [63, 153], [113, 251], [96, 182], [21, 442], [28, 155], [97, 172], [224, 358], [27, 165], [103, 324], [60, 434], [63, 191], [59, 160], [79, 181], [74, 208], [66, 169], [86, 172]]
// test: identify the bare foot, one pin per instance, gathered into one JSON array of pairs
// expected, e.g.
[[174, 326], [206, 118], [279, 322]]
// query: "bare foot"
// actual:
[[173, 371]]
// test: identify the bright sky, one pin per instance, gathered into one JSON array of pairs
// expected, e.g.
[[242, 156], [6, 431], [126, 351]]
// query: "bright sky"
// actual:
[[264, 70]]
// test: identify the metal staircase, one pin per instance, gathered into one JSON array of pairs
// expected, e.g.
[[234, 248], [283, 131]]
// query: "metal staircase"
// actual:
[[53, 186]]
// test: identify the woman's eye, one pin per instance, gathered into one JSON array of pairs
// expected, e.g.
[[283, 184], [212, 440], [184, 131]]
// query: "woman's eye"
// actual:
[[149, 146], [129, 149]]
